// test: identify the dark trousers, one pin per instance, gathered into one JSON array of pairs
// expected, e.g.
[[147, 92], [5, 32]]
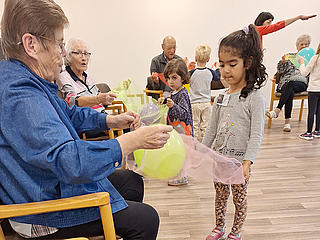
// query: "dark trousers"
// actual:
[[313, 109], [287, 93], [138, 221]]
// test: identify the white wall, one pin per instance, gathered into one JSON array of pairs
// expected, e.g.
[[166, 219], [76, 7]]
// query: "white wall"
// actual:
[[124, 35]]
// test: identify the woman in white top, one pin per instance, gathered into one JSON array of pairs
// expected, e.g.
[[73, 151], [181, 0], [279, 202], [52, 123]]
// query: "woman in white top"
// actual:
[[312, 68]]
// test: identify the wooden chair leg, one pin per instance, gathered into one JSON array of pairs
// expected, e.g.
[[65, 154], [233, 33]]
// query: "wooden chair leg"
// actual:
[[84, 137], [111, 134], [107, 222], [1, 234], [270, 109], [301, 109]]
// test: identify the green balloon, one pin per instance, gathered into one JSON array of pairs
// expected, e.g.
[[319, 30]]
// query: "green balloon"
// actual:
[[165, 162]]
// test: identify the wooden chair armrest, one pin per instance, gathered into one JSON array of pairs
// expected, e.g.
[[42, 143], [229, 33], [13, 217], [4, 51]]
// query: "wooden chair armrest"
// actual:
[[83, 201], [153, 91]]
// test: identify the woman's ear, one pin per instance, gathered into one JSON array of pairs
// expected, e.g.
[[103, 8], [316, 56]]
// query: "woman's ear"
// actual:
[[31, 45], [248, 62]]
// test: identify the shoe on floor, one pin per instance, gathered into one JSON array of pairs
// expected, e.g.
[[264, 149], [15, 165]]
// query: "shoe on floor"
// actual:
[[271, 114], [178, 182], [233, 236], [306, 136], [216, 234], [316, 134], [287, 127]]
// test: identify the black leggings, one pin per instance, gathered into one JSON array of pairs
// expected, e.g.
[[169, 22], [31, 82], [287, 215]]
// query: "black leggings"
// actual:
[[313, 109], [287, 93], [138, 221]]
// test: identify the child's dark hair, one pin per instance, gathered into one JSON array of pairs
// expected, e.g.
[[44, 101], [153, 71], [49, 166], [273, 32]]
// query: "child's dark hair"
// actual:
[[179, 67], [262, 17], [246, 45]]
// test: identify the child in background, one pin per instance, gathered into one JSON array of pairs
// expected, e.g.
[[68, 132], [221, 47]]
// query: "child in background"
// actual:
[[180, 113], [200, 91], [236, 125], [313, 67]]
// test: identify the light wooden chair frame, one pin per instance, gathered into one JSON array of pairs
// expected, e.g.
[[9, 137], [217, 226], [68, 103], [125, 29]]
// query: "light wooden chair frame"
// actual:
[[147, 91], [101, 200], [275, 96]]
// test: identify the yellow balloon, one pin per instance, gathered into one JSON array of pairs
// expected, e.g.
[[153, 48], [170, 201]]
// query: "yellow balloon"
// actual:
[[165, 162]]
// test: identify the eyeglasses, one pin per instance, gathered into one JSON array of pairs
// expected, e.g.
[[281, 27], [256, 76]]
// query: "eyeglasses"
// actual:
[[59, 43], [82, 54]]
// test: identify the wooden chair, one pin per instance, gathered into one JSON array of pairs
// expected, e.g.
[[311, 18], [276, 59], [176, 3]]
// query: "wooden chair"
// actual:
[[275, 96], [100, 200], [117, 107], [147, 91]]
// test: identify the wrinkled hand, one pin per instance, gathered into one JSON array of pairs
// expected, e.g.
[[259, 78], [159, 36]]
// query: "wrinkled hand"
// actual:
[[153, 137], [136, 121], [302, 17], [246, 169], [300, 60], [170, 102], [124, 120], [155, 77], [106, 98]]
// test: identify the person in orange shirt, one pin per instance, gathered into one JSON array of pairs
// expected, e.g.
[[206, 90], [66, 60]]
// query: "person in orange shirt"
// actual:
[[263, 23]]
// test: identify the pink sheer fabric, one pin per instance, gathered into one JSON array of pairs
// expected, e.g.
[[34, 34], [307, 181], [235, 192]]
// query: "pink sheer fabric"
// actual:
[[200, 162], [204, 163]]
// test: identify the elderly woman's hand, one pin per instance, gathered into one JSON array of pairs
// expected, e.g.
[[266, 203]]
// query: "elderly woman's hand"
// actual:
[[303, 17], [151, 137], [106, 98], [300, 60], [124, 120]]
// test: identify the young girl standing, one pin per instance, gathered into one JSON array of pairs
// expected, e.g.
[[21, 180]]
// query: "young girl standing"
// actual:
[[313, 89], [237, 121], [180, 113]]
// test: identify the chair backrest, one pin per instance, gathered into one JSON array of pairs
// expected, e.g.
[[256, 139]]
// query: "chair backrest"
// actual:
[[100, 200], [103, 87]]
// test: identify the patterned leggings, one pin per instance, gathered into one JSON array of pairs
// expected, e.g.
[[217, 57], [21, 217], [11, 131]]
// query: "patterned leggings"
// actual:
[[239, 193]]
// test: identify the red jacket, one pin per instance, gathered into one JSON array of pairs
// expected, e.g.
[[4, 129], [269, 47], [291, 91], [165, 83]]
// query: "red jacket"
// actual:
[[264, 30]]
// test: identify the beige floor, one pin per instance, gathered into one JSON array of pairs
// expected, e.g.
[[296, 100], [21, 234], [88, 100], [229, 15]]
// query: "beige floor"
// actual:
[[284, 193]]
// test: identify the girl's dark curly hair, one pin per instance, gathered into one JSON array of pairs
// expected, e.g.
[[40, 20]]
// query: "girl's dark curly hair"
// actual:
[[246, 45]]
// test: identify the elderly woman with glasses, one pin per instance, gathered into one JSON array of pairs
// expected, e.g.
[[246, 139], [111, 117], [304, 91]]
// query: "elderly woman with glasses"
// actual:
[[76, 86], [42, 157], [289, 81]]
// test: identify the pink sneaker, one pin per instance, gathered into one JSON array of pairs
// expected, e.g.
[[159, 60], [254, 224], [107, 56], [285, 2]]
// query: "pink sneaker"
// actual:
[[233, 236], [216, 234]]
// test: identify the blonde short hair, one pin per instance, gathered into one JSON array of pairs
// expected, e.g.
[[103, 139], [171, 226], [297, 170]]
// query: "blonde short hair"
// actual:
[[37, 17], [304, 37], [203, 53]]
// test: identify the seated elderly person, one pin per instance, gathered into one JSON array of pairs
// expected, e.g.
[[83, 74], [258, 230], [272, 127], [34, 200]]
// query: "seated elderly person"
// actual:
[[158, 63], [290, 81], [75, 84], [42, 157]]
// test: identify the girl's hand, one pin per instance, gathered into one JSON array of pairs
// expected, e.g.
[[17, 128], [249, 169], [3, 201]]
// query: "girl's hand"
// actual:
[[170, 102], [246, 169], [300, 60], [161, 100]]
